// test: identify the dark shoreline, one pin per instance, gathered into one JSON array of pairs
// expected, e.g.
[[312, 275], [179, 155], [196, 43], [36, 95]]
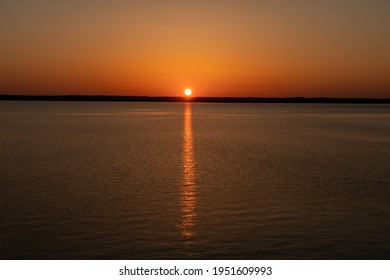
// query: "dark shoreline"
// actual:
[[109, 98]]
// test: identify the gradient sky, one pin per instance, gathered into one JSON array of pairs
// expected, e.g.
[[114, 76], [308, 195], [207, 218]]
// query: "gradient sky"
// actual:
[[218, 48]]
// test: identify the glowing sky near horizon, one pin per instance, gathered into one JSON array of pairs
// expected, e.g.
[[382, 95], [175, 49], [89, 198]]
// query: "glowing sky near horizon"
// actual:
[[217, 48]]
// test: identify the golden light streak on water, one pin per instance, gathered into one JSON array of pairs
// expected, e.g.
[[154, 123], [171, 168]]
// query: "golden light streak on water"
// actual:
[[188, 193]]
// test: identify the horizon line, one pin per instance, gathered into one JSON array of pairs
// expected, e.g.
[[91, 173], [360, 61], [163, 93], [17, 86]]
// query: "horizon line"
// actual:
[[221, 99]]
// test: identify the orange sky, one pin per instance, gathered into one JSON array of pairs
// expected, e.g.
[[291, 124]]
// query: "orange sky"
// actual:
[[218, 48]]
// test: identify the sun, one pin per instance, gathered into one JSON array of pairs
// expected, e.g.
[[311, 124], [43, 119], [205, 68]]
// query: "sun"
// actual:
[[188, 92]]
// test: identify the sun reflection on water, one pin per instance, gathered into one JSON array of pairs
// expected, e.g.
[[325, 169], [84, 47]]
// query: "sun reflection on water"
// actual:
[[188, 190]]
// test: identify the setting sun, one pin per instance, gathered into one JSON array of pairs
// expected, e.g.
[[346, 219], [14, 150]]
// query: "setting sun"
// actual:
[[187, 91]]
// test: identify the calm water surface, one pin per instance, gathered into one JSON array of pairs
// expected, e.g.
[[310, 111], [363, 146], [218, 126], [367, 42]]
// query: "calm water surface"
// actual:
[[205, 181]]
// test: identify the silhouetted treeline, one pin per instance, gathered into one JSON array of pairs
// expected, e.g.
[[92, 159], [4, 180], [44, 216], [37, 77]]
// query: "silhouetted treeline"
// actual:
[[111, 98]]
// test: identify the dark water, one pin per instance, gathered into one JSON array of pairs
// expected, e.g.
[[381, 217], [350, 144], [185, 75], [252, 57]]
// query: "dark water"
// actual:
[[203, 181]]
